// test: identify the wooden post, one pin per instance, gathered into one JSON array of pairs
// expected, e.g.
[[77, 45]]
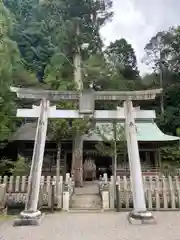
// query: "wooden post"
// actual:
[[118, 200], [147, 160], [150, 193], [172, 193], [48, 190], [2, 196], [52, 196], [156, 159], [65, 164], [157, 192], [159, 158], [111, 193], [126, 192], [178, 191], [164, 191]]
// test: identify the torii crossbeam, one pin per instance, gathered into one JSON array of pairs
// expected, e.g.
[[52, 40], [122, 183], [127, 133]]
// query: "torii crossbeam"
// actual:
[[86, 108]]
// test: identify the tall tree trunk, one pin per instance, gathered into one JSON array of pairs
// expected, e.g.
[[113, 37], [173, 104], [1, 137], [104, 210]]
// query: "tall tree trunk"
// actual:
[[58, 161], [77, 161], [58, 186], [77, 156], [161, 85]]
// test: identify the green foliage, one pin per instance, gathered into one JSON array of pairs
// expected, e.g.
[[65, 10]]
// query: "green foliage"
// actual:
[[21, 167], [9, 57], [61, 129], [98, 73], [45, 29], [110, 135], [170, 159], [171, 154], [122, 57], [163, 53], [6, 166]]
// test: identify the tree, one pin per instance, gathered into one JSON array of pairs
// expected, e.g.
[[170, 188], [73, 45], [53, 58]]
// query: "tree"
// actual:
[[21, 167], [155, 51], [9, 57], [162, 53], [172, 41], [6, 166], [65, 129], [121, 55], [157, 54], [99, 75], [43, 29], [113, 135]]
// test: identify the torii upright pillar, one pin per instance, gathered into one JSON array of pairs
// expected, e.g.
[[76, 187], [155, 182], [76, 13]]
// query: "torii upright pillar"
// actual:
[[139, 212], [31, 215]]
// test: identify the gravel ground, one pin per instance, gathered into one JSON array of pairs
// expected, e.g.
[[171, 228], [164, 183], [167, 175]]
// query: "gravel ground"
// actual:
[[95, 226]]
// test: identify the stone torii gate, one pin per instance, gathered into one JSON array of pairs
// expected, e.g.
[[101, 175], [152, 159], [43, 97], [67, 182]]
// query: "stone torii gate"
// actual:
[[31, 215]]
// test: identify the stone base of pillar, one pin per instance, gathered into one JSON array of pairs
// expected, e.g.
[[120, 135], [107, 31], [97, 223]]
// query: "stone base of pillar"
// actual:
[[141, 218], [28, 218]]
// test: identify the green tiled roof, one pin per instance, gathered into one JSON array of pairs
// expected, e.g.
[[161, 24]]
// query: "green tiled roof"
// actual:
[[147, 131]]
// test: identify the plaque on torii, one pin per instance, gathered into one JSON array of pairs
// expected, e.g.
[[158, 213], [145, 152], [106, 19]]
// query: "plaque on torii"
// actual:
[[86, 108]]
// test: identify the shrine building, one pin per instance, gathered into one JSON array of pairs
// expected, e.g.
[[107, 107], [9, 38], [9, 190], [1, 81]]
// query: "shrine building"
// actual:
[[150, 139]]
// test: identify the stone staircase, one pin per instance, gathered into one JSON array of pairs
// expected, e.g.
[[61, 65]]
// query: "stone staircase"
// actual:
[[86, 199]]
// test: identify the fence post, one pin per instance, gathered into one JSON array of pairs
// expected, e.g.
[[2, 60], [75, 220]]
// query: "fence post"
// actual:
[[164, 190], [5, 181], [178, 191], [111, 193], [66, 195], [157, 193], [41, 197], [23, 184], [48, 189], [149, 194], [105, 197], [2, 196], [17, 184], [52, 195], [171, 189], [10, 187], [118, 181], [59, 192], [118, 197], [126, 192]]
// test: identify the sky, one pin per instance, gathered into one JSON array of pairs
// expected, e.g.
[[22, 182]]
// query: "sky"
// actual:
[[139, 20]]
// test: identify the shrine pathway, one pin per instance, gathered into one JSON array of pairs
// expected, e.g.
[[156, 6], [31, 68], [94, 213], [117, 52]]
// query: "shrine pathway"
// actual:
[[95, 226], [88, 188]]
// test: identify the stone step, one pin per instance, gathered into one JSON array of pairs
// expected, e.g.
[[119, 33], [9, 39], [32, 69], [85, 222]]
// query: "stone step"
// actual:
[[85, 210], [86, 201], [88, 188]]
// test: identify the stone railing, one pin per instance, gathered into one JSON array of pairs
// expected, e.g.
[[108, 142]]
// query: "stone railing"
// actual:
[[161, 193], [104, 191], [68, 192], [13, 191]]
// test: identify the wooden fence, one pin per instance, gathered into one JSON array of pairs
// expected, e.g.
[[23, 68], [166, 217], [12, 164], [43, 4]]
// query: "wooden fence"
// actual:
[[16, 190], [161, 193]]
